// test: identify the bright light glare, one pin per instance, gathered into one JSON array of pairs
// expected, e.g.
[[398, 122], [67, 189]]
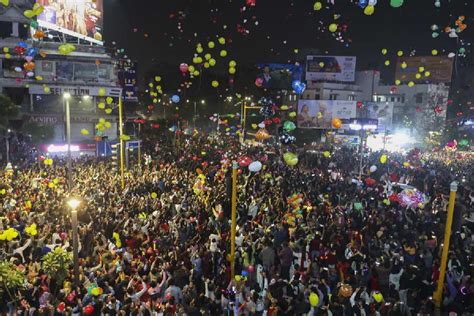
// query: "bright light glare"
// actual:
[[73, 203], [355, 127], [67, 95], [402, 139], [393, 143]]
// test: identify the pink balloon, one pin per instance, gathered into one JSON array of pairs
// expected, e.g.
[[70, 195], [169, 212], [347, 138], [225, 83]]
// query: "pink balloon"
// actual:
[[244, 161], [251, 268], [259, 82], [29, 58], [183, 68]]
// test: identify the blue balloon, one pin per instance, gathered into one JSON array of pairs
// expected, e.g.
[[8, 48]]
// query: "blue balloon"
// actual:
[[245, 273], [175, 98], [23, 45], [363, 3], [32, 52], [298, 86]]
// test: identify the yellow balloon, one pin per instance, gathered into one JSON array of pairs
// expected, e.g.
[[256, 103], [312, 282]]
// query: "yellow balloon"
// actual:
[[333, 27], [157, 78], [223, 53], [421, 69], [215, 84], [427, 73], [108, 111], [317, 6], [207, 56], [154, 195], [434, 52], [206, 65], [199, 49], [191, 69], [211, 44], [232, 63], [212, 62], [221, 40], [398, 82], [387, 63], [109, 100], [102, 92], [369, 10], [400, 53], [84, 132], [411, 84], [384, 51], [418, 76], [29, 14], [404, 65], [196, 73], [232, 70]]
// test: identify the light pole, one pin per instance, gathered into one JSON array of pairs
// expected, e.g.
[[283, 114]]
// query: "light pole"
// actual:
[[438, 294], [66, 97], [73, 204], [235, 168]]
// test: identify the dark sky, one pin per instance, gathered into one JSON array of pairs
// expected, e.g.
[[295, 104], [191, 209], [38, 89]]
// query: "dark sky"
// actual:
[[148, 29]]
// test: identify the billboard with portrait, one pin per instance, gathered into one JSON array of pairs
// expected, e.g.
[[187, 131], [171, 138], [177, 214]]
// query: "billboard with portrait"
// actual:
[[382, 111], [279, 76], [79, 18], [436, 69], [318, 114], [331, 68]]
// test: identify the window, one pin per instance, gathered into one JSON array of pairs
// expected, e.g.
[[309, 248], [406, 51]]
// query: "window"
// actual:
[[351, 97], [333, 96], [6, 29], [419, 98], [317, 97]]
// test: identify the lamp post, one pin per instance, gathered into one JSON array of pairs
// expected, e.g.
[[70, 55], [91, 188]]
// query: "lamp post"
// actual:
[[235, 168], [73, 204], [438, 294], [66, 97]]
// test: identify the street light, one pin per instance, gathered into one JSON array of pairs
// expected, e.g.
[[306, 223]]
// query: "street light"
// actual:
[[74, 203], [66, 97]]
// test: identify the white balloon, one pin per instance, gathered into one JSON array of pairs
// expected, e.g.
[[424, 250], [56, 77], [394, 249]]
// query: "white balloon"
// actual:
[[451, 55], [255, 166], [372, 2], [261, 125], [18, 69], [373, 168]]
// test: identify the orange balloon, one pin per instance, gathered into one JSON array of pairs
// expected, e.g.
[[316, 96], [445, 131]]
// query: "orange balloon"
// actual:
[[39, 34], [336, 123], [262, 134], [29, 66]]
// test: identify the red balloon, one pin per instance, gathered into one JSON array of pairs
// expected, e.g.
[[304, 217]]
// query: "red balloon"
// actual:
[[259, 82], [369, 181], [89, 309], [251, 268], [359, 104], [61, 307], [244, 161], [251, 3]]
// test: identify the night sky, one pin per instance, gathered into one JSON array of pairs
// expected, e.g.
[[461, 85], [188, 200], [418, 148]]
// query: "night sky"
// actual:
[[165, 32]]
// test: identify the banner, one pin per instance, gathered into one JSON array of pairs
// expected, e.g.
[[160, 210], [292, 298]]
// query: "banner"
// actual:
[[440, 69], [78, 18], [76, 90], [319, 113], [382, 111], [331, 68], [127, 76], [279, 76]]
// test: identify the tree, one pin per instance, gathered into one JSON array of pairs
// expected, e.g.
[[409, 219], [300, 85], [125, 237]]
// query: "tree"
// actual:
[[56, 264], [11, 279], [8, 110]]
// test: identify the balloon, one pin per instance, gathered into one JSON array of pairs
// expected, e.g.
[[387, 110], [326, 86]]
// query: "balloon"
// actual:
[[411, 84], [291, 159], [383, 159], [212, 62], [373, 168], [326, 154], [333, 27], [29, 14], [211, 44], [244, 161], [215, 83], [61, 307], [298, 86], [183, 68], [262, 134], [313, 299], [251, 3], [95, 291], [232, 70], [238, 278], [434, 52], [384, 51], [251, 268], [259, 82], [336, 123], [387, 63], [221, 40], [378, 297], [5, 2], [89, 309], [29, 66], [317, 6], [345, 290], [175, 98], [396, 3], [223, 53], [404, 65], [289, 126], [369, 10], [84, 132], [255, 166], [245, 273], [108, 111]]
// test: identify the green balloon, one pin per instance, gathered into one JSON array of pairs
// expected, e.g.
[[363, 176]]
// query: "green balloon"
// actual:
[[435, 34], [396, 3], [463, 142], [289, 126], [34, 24]]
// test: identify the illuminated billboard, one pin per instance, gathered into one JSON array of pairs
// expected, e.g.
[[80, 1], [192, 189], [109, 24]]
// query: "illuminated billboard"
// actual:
[[318, 114], [439, 68], [332, 68], [79, 18]]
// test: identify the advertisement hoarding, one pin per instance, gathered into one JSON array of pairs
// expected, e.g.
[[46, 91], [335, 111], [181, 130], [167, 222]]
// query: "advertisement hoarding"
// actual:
[[279, 76], [79, 18], [440, 69], [318, 114], [382, 111], [331, 68]]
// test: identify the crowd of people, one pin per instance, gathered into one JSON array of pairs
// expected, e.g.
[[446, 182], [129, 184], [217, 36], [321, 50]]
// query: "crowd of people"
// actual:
[[313, 239]]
